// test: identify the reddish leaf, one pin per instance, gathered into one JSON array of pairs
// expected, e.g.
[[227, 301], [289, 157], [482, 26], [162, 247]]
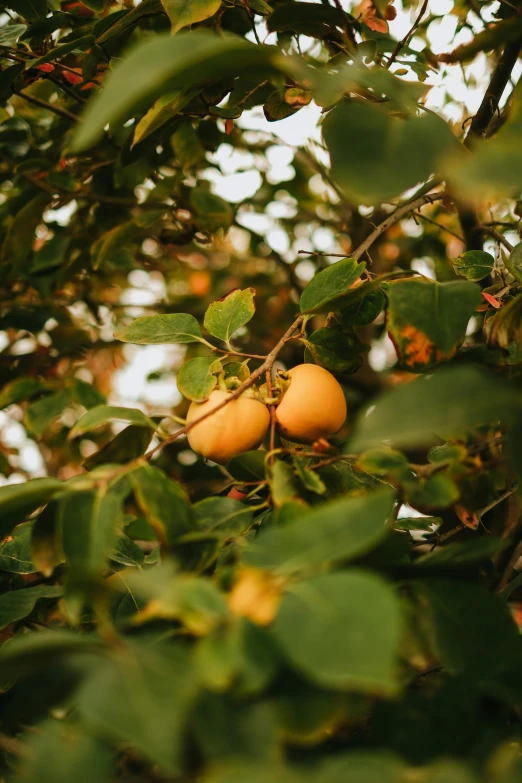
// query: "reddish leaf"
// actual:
[[492, 301], [468, 518]]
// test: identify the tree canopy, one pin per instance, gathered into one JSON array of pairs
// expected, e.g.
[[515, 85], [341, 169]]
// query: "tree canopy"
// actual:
[[342, 608]]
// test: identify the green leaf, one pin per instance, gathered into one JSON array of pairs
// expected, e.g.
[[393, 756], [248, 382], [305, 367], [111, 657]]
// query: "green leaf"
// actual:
[[127, 552], [17, 501], [186, 145], [225, 515], [164, 64], [46, 544], [89, 521], [161, 329], [129, 444], [454, 400], [11, 33], [283, 486], [438, 491], [40, 414], [376, 156], [225, 316], [474, 265], [325, 291], [15, 554], [183, 13], [364, 311], [17, 604], [198, 377], [163, 110], [20, 389], [307, 18], [427, 320], [276, 107], [102, 414], [330, 532], [141, 698], [211, 211], [384, 462], [19, 237], [470, 629], [106, 248], [335, 348], [36, 651], [78, 44], [342, 631], [87, 394], [225, 729], [32, 10], [60, 752], [162, 502], [360, 767]]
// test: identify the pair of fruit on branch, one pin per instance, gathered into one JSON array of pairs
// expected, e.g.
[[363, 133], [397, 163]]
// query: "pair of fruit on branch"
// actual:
[[309, 401]]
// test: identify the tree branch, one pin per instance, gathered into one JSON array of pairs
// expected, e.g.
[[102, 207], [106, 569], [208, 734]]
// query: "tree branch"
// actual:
[[478, 128], [490, 103], [408, 35], [394, 217]]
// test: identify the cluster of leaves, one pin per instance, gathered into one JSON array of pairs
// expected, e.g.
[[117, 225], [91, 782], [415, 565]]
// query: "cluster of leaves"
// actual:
[[343, 611]]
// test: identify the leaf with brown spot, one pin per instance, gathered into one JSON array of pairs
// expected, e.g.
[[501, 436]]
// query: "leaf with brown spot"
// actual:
[[427, 320]]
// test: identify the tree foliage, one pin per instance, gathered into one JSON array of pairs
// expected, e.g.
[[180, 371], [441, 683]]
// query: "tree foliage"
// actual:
[[345, 610]]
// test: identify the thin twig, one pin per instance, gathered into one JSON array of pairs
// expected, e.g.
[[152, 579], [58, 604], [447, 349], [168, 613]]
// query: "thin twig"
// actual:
[[440, 225], [394, 217], [498, 236], [270, 391], [408, 35], [49, 106], [498, 500]]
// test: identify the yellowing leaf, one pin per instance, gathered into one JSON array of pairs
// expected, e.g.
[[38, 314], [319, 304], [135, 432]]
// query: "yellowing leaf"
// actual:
[[183, 13], [256, 595]]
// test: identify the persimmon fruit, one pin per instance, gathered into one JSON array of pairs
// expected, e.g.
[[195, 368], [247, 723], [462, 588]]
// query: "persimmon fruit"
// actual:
[[313, 405], [239, 426]]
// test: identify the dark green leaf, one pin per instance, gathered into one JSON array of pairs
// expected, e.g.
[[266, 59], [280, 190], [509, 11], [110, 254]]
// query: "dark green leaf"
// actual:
[[474, 265], [325, 291], [41, 413], [141, 698], [15, 553], [165, 63], [376, 156], [211, 211], [17, 501], [162, 502], [342, 631], [427, 320], [454, 400], [333, 531], [335, 348], [60, 752], [17, 604]]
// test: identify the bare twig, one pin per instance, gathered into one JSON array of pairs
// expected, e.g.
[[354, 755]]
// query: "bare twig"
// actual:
[[498, 236], [49, 106], [408, 35], [394, 217], [440, 225]]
